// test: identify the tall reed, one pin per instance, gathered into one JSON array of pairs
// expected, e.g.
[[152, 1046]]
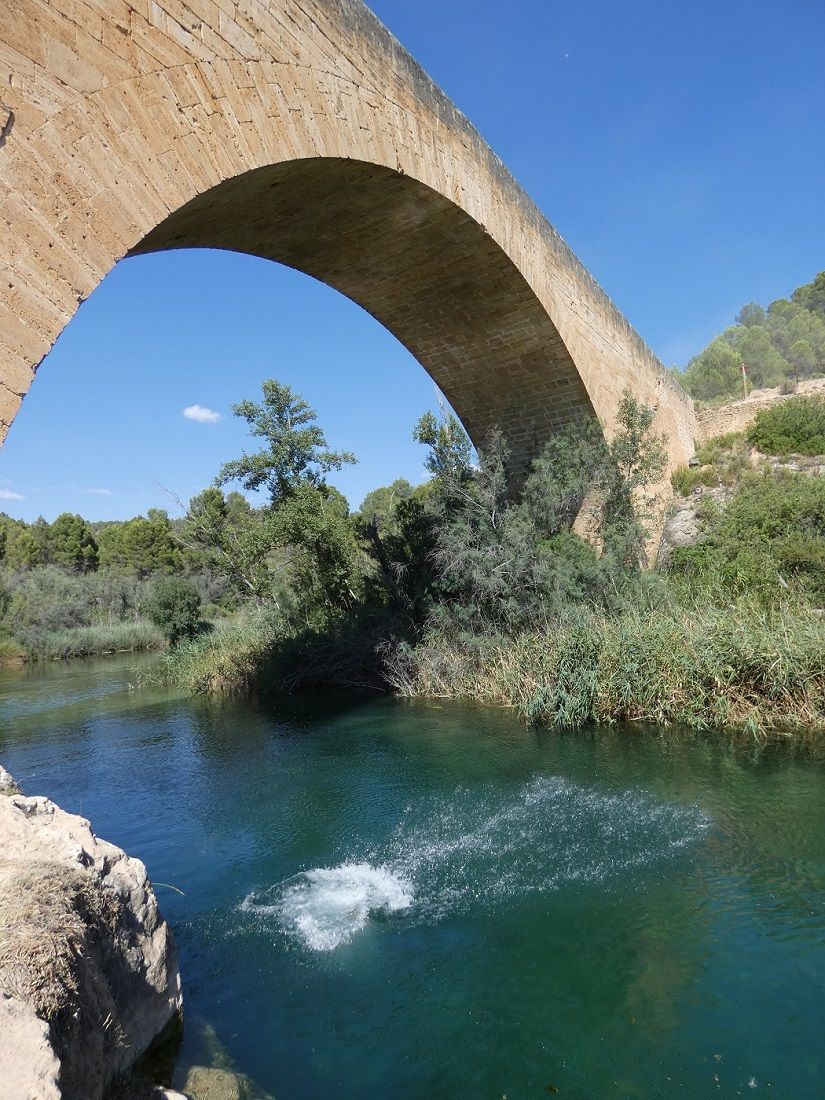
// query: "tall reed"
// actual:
[[739, 668]]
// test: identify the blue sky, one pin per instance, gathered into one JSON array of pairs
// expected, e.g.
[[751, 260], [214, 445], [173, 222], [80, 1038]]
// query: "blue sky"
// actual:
[[678, 148]]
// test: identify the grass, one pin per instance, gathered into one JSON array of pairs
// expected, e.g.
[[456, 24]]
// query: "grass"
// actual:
[[11, 651], [713, 665], [732, 668], [724, 459], [228, 659], [47, 915], [91, 641]]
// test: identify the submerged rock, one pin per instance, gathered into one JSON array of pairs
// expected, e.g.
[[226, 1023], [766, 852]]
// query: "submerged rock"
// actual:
[[88, 972]]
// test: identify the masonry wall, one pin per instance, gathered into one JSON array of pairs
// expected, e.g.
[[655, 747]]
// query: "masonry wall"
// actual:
[[116, 117]]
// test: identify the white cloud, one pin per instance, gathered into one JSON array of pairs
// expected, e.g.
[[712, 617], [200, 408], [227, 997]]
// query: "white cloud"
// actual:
[[201, 414], [98, 492], [7, 494]]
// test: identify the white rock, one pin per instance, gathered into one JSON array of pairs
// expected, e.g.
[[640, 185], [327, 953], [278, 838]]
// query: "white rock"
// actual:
[[129, 983]]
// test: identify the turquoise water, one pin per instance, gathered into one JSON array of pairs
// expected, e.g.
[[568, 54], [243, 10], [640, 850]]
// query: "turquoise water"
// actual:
[[384, 899]]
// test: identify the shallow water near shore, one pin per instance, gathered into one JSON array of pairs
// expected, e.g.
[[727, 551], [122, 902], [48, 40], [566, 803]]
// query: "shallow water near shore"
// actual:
[[417, 900]]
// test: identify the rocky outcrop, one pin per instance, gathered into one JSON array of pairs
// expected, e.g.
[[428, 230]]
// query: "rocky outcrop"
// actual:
[[88, 972]]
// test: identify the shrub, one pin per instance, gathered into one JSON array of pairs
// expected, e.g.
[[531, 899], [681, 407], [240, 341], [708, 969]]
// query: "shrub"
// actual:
[[769, 540], [792, 427], [723, 461], [174, 606]]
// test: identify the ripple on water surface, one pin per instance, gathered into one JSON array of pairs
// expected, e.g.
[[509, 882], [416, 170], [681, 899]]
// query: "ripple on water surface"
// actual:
[[481, 847]]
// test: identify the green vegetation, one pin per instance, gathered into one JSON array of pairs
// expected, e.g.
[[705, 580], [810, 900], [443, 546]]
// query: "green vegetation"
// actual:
[[174, 607], [465, 585], [461, 587], [72, 588], [722, 461], [796, 427], [778, 346], [768, 542], [704, 666]]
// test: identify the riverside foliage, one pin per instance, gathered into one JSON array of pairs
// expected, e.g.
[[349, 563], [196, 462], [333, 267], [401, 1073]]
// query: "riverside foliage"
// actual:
[[533, 593], [464, 586]]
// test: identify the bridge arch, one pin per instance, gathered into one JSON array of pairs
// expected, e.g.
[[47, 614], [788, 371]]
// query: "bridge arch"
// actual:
[[297, 130]]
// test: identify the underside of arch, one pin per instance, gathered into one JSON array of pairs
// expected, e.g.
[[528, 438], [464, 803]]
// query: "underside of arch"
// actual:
[[420, 265]]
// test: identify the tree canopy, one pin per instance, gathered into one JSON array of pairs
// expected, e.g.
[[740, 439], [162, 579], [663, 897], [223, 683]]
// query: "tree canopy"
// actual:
[[296, 449], [783, 344]]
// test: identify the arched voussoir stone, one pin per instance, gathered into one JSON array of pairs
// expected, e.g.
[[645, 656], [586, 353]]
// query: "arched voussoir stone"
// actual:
[[420, 265], [300, 131]]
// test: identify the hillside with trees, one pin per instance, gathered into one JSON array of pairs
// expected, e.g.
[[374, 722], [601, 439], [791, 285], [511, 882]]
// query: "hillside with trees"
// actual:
[[778, 346]]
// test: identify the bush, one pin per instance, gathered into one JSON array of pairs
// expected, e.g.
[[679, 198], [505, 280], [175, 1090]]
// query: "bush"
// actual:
[[174, 606], [94, 641], [792, 427], [232, 659], [723, 461], [35, 603], [768, 542]]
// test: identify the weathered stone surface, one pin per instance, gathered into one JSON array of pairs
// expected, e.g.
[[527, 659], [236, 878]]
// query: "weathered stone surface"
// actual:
[[203, 1083], [88, 973], [29, 1067], [297, 130], [735, 416], [683, 528]]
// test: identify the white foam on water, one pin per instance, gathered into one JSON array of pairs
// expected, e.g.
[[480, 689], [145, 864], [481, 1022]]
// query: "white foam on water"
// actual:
[[325, 907], [481, 846]]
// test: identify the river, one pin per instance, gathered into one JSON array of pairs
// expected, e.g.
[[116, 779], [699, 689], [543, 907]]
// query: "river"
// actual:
[[392, 899]]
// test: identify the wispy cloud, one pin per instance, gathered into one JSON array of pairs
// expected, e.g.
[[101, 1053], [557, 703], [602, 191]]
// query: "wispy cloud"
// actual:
[[7, 494], [98, 492], [201, 414]]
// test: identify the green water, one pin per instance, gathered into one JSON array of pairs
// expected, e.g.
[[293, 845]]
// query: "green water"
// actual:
[[395, 900]]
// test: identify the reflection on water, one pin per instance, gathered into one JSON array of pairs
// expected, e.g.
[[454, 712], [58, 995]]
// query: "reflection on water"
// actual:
[[385, 899]]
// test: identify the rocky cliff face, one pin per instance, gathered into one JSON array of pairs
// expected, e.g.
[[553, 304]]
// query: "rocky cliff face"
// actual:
[[88, 973]]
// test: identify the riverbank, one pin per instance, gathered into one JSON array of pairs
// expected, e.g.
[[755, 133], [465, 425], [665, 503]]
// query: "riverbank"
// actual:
[[738, 668], [741, 670], [89, 979], [84, 641]]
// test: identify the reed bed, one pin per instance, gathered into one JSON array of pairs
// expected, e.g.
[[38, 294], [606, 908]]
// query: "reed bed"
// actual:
[[93, 641], [230, 659], [740, 668]]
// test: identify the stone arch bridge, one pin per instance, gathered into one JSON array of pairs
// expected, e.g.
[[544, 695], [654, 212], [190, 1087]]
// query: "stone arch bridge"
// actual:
[[300, 131]]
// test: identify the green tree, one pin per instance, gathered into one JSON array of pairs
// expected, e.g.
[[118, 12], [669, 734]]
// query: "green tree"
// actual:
[[450, 449], [23, 550], [505, 564], [296, 450], [811, 296], [764, 364], [235, 541], [326, 560], [802, 358], [141, 546], [174, 606], [751, 314], [379, 505], [71, 544], [716, 372]]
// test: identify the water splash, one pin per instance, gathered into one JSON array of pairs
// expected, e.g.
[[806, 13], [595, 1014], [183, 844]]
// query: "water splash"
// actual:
[[482, 846], [327, 906]]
